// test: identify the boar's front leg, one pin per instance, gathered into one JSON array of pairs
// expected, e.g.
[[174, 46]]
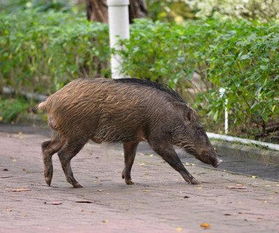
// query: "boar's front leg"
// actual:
[[69, 150], [167, 152], [129, 157]]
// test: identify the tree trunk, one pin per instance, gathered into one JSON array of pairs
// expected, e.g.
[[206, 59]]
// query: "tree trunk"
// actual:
[[97, 10], [137, 9]]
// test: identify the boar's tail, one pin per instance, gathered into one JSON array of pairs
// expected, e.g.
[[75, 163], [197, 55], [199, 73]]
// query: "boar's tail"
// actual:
[[41, 106], [35, 109]]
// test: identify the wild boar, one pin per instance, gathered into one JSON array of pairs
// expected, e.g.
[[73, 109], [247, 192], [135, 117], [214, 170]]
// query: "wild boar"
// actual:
[[126, 111]]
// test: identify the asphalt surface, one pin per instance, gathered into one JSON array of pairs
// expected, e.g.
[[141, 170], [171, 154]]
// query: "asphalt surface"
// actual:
[[160, 201], [242, 166]]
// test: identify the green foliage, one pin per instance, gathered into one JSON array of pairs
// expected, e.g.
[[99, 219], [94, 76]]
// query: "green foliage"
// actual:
[[240, 56], [264, 10], [180, 10], [170, 10], [42, 52], [11, 108], [245, 61], [40, 5]]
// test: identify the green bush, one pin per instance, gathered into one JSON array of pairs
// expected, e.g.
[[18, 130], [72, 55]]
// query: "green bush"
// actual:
[[41, 52], [11, 108], [40, 5], [264, 10]]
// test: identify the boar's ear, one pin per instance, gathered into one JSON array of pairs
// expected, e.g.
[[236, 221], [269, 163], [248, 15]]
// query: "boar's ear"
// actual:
[[188, 113], [191, 114]]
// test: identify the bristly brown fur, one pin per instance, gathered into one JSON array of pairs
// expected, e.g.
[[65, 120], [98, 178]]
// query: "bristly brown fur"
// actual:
[[97, 106], [147, 83]]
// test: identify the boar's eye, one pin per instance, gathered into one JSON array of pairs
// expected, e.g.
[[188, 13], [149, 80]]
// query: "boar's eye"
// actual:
[[201, 133]]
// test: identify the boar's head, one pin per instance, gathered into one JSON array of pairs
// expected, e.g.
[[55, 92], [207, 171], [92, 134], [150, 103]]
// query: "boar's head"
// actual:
[[193, 138]]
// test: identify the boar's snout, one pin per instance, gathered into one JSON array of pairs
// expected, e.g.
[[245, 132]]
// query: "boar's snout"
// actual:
[[210, 158], [217, 162]]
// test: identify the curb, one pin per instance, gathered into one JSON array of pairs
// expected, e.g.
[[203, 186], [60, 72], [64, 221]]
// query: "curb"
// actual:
[[246, 152]]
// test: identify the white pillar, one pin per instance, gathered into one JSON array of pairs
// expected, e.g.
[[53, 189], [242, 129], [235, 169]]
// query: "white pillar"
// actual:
[[222, 92], [226, 117], [118, 14]]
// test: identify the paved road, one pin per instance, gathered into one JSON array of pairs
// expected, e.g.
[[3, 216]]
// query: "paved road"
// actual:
[[239, 165], [160, 201]]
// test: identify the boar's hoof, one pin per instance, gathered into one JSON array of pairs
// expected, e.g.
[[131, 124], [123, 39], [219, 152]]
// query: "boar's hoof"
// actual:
[[194, 181], [48, 180], [129, 182], [48, 175], [77, 185], [127, 178]]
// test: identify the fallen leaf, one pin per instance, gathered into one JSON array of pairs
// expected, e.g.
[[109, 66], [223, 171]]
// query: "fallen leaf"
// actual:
[[254, 177], [142, 164], [84, 201], [205, 225], [237, 186], [179, 229], [99, 190], [53, 203], [227, 214], [20, 190], [4, 177], [105, 221], [202, 173], [5, 169], [19, 135], [186, 197]]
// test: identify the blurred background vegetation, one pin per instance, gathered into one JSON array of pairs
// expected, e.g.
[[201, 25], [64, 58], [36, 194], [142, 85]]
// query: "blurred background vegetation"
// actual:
[[194, 46]]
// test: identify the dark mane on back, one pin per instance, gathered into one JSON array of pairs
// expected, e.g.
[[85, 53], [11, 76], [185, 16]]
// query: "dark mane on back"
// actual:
[[148, 83]]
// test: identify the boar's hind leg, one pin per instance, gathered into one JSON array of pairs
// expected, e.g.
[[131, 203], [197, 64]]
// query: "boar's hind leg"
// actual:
[[129, 157], [69, 150], [49, 148], [166, 151]]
